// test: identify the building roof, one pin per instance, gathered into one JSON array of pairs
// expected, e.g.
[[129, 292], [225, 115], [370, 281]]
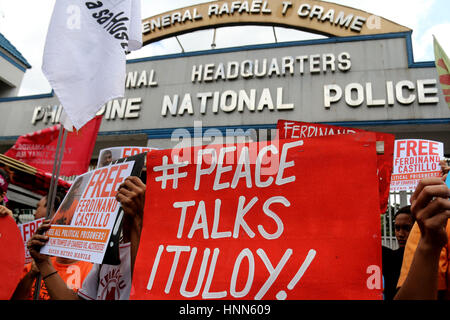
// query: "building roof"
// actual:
[[5, 44]]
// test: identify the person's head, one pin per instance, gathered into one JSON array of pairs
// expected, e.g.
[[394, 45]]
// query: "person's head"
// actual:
[[4, 182], [41, 209], [403, 222], [106, 158]]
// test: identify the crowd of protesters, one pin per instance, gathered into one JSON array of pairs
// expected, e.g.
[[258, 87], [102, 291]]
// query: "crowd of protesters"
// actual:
[[419, 269]]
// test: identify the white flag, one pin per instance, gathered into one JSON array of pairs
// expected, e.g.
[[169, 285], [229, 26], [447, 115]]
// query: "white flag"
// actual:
[[85, 53]]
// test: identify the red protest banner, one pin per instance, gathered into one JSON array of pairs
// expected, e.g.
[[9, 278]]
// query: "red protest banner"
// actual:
[[257, 221], [12, 257], [287, 129], [38, 148]]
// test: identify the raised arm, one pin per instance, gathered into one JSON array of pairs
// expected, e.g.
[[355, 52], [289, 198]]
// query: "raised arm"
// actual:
[[431, 206], [23, 289], [131, 195], [56, 286]]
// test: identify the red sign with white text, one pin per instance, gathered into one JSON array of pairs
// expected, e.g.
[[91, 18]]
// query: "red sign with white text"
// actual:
[[385, 148], [38, 149], [262, 221]]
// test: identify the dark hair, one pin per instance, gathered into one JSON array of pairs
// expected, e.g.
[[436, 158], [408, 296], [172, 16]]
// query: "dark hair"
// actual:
[[5, 175], [405, 210]]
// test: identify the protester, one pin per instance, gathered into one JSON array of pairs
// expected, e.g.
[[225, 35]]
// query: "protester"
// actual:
[[72, 272], [425, 269], [403, 222], [392, 259], [104, 281]]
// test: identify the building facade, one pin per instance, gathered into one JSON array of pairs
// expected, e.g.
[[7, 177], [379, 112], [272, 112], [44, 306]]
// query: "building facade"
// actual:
[[367, 82]]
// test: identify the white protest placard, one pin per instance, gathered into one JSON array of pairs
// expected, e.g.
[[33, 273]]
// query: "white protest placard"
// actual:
[[84, 222], [27, 230], [415, 159], [108, 155]]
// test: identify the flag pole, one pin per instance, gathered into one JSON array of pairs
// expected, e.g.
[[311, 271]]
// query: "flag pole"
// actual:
[[52, 181], [56, 178], [53, 189]]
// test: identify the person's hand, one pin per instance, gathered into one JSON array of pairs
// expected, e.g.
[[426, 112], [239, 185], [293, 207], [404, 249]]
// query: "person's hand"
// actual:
[[445, 168], [131, 195], [34, 271], [37, 241], [4, 211], [430, 205]]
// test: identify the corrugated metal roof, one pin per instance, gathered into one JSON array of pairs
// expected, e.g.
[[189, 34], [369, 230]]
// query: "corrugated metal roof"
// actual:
[[5, 44]]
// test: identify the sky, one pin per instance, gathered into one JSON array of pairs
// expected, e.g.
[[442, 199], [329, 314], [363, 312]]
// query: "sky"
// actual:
[[24, 23]]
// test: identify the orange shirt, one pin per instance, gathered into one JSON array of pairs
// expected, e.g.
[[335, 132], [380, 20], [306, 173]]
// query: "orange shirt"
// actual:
[[410, 248], [72, 274]]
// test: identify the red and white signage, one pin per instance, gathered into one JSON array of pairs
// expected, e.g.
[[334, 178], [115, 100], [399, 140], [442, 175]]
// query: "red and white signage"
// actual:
[[27, 230], [415, 159], [38, 149], [385, 148], [262, 221], [84, 222]]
